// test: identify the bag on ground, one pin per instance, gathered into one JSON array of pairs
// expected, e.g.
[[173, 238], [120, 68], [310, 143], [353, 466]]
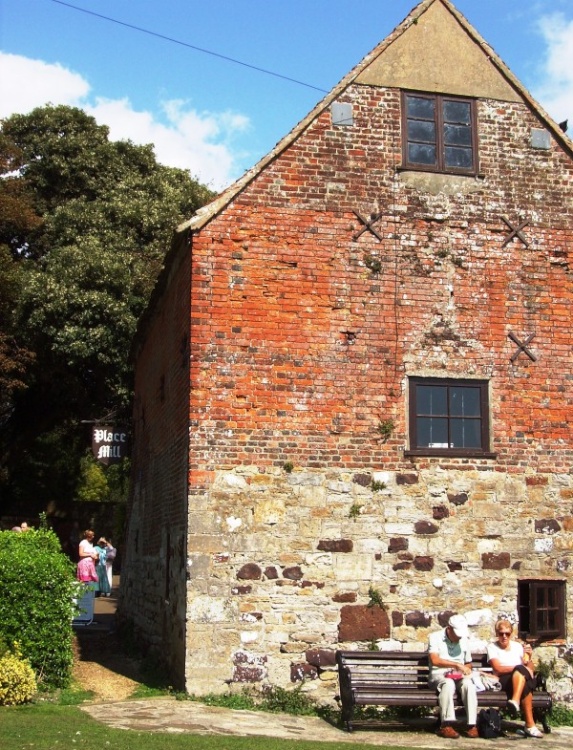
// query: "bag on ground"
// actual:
[[489, 723]]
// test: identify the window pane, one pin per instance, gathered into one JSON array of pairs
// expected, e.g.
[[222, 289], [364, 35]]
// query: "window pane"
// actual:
[[417, 106], [420, 154], [457, 135], [432, 432], [432, 399], [459, 157], [421, 130], [457, 112], [465, 433], [465, 401], [551, 620]]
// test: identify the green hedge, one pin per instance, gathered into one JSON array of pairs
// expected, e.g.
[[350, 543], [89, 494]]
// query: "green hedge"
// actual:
[[37, 587]]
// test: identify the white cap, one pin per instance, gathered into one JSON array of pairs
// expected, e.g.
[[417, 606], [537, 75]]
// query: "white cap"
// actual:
[[459, 625]]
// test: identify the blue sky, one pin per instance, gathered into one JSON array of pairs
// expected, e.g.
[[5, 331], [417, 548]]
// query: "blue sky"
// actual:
[[217, 118]]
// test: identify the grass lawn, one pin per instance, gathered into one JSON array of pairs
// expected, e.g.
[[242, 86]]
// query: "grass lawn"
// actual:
[[46, 726]]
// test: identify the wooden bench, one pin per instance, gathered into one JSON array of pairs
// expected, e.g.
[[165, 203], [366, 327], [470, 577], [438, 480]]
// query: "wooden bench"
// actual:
[[400, 678]]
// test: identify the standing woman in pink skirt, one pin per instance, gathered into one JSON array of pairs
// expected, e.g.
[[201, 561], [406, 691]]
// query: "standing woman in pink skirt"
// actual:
[[86, 571]]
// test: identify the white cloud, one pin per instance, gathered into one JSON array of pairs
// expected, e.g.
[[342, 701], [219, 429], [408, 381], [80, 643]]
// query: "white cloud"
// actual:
[[555, 89], [26, 83], [200, 142], [188, 139]]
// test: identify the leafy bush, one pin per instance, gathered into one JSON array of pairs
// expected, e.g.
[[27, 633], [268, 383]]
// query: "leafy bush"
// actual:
[[17, 679], [37, 588], [561, 716]]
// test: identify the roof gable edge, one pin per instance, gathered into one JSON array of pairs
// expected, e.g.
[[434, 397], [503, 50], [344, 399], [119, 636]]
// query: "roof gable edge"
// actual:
[[204, 215]]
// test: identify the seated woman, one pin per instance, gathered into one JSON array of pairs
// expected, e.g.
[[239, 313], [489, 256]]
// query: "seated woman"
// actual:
[[511, 664]]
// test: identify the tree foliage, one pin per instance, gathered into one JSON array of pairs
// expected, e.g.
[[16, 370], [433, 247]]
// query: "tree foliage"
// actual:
[[84, 226]]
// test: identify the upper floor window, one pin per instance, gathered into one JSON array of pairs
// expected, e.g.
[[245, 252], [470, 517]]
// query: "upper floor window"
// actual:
[[439, 133], [449, 417], [541, 607]]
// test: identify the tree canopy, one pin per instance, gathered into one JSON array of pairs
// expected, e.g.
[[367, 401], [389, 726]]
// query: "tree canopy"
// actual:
[[85, 223]]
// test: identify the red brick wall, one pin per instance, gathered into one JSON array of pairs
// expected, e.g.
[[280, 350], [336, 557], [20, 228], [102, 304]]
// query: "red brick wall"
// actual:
[[299, 350]]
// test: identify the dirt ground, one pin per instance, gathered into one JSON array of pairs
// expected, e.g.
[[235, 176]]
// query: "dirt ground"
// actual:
[[102, 667], [100, 663]]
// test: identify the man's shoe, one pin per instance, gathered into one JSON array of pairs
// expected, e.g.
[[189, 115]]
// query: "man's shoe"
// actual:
[[533, 732], [513, 708], [472, 733], [448, 732]]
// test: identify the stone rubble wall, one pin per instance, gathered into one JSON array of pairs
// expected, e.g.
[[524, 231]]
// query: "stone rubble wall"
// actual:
[[282, 567]]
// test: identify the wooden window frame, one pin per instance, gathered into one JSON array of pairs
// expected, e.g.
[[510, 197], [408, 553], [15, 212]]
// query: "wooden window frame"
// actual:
[[415, 450], [532, 614], [440, 165]]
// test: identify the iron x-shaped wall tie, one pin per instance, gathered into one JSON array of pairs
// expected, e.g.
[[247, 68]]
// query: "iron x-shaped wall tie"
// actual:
[[515, 232], [523, 347], [368, 226]]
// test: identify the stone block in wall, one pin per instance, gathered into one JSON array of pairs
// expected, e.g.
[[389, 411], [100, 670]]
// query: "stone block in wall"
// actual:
[[363, 623], [344, 597], [424, 563], [453, 565], [239, 590], [321, 657], [293, 647], [439, 512], [406, 479], [536, 481], [493, 561], [397, 619], [418, 620], [294, 573], [271, 573], [300, 672], [459, 498], [250, 572], [425, 528], [248, 667], [328, 676], [398, 544], [364, 480], [547, 526], [335, 545]]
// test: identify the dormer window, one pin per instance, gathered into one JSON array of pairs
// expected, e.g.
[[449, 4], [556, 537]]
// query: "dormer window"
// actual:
[[439, 133]]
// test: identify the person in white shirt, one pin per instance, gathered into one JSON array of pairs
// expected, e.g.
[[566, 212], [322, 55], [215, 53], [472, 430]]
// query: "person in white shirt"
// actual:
[[511, 664], [450, 672]]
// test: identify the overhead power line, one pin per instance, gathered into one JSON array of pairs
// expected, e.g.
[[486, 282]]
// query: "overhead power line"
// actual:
[[190, 46]]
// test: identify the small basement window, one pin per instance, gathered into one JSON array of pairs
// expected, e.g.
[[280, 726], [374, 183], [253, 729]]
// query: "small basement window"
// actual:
[[439, 133], [541, 608], [449, 417]]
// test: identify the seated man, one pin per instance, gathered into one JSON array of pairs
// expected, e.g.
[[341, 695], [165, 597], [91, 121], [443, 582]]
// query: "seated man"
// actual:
[[449, 652]]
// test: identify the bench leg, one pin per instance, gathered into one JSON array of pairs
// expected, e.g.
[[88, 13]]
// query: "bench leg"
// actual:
[[347, 714]]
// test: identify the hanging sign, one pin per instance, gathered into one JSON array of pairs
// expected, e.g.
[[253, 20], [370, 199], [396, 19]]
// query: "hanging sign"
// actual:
[[109, 444]]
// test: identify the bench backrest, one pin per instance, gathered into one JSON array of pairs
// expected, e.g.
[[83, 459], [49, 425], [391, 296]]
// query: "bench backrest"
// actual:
[[396, 669]]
